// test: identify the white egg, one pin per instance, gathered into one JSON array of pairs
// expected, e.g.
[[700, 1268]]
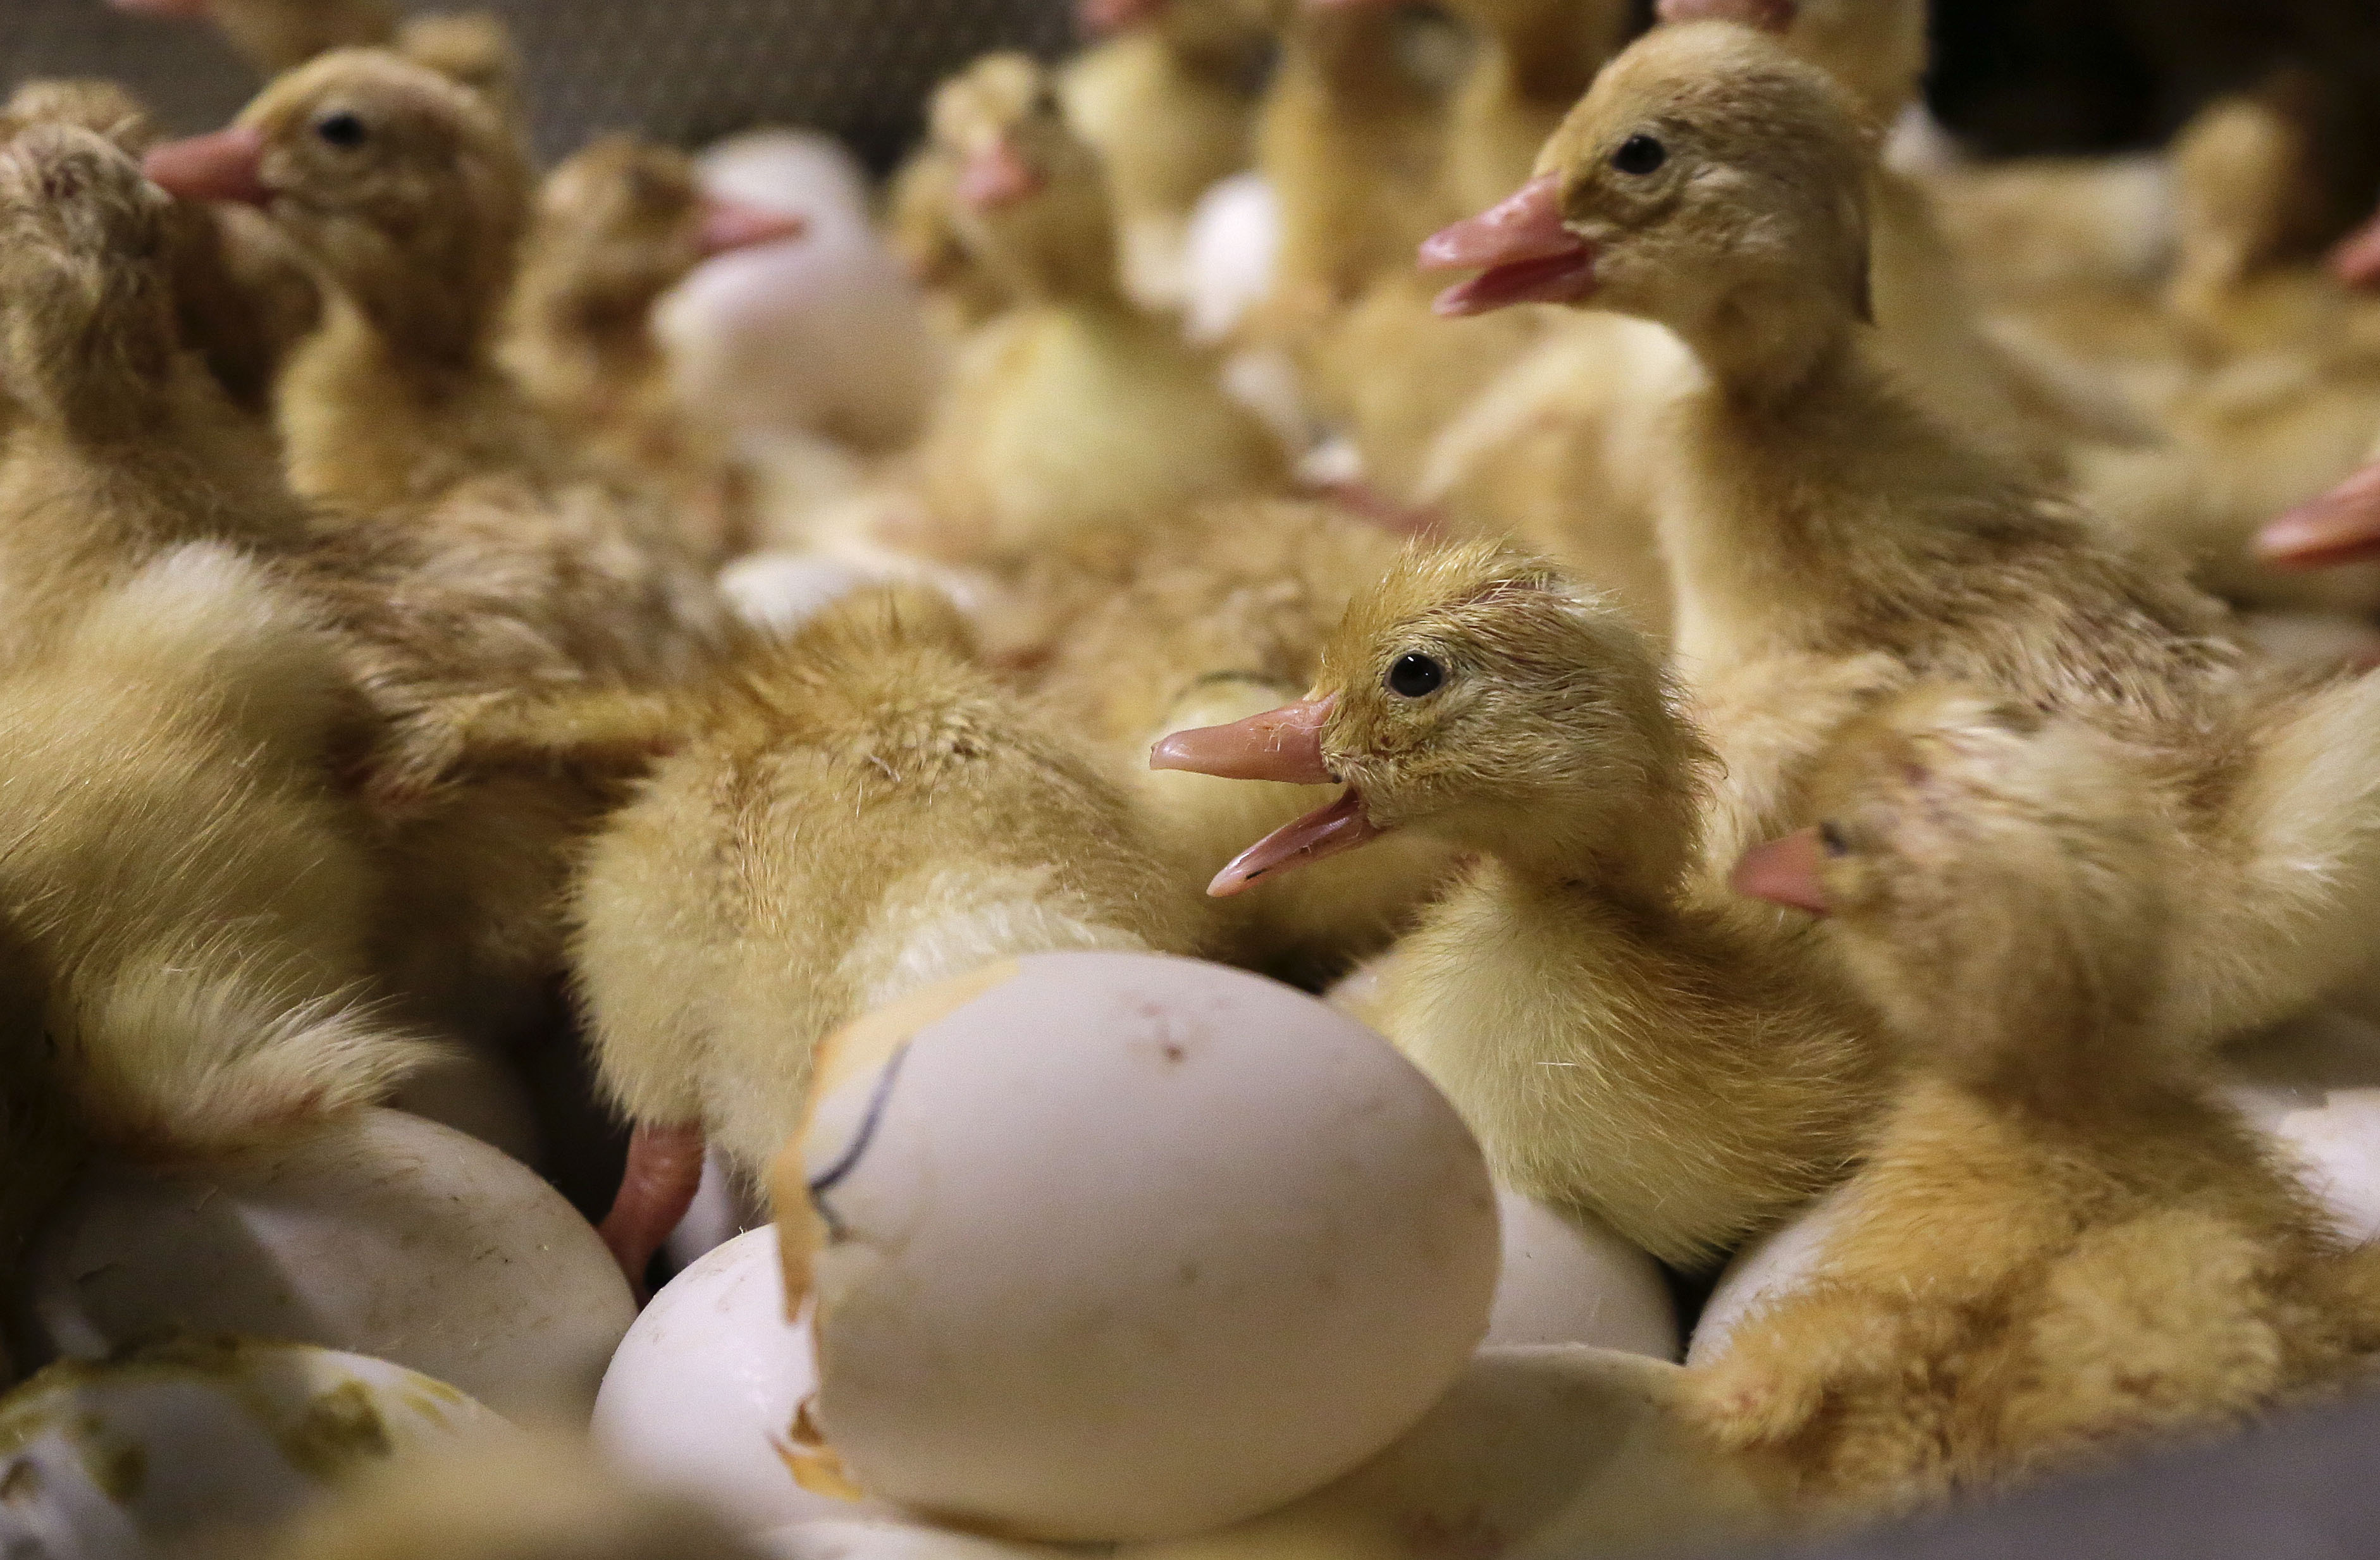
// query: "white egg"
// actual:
[[723, 1208], [379, 1233], [2313, 1086], [897, 1540], [703, 1392], [143, 1455], [1769, 1268], [1114, 1246], [1572, 1279]]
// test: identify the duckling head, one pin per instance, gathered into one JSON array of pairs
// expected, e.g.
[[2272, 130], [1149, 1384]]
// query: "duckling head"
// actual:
[[1479, 695], [1989, 874], [1030, 199], [86, 300], [1709, 181], [406, 191], [623, 221]]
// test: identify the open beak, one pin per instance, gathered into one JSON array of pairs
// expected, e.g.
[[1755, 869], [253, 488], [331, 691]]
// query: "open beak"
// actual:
[[729, 225], [1522, 249], [2356, 261], [1327, 831], [1784, 872], [1770, 15], [225, 166], [997, 176], [1281, 745], [2341, 526], [1103, 19]]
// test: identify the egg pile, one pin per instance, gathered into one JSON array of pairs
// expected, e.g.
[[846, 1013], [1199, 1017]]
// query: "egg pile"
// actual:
[[701, 860]]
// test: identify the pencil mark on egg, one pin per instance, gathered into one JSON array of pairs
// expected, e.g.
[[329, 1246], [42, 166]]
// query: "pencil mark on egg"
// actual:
[[879, 1099]]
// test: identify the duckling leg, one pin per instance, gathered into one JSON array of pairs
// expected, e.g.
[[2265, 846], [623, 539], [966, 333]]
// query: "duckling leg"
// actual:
[[664, 1172]]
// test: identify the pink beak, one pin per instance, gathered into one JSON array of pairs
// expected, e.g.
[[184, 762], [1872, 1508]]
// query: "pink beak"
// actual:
[[2356, 261], [2341, 526], [1528, 255], [1102, 18], [729, 225], [1770, 15], [1281, 745], [227, 165], [1784, 872], [997, 176], [1325, 832]]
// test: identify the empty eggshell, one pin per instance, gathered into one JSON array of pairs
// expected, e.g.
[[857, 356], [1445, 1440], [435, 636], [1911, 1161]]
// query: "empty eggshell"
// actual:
[[1572, 1280], [379, 1233], [1115, 1246], [143, 1455], [704, 1390], [2313, 1085]]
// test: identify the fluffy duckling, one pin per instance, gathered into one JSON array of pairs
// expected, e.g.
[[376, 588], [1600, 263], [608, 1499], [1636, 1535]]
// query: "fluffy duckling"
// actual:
[[1073, 408], [1537, 58], [2061, 1240], [115, 445], [1828, 539], [189, 905], [1350, 139], [1168, 100], [865, 810], [618, 225], [1220, 615], [278, 35], [1618, 1049]]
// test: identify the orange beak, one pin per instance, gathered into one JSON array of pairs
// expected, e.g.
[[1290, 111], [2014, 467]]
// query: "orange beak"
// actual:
[[2341, 526], [1523, 253], [997, 176], [729, 225], [1770, 15], [1784, 872], [227, 165], [2356, 261]]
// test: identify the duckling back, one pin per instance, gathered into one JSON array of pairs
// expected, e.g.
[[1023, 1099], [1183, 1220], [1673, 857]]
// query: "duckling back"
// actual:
[[869, 811]]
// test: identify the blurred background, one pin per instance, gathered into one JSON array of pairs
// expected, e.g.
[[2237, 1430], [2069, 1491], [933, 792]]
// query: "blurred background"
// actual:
[[2011, 76]]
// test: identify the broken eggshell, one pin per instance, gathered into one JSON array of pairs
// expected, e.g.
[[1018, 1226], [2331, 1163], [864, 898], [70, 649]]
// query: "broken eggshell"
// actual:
[[1571, 1279], [145, 1453], [1111, 1246], [703, 1392], [376, 1232]]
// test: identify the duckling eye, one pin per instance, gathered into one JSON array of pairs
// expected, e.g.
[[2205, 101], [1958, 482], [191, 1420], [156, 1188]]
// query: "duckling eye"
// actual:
[[1416, 676], [1640, 155], [1830, 835], [344, 130]]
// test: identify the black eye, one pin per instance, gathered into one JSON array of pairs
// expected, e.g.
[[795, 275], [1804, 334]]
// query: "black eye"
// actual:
[[1640, 155], [1831, 837], [344, 130], [1416, 676]]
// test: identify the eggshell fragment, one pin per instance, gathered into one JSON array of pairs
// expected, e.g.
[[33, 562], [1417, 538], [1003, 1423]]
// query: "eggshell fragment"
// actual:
[[1771, 1267], [2313, 1085], [1118, 1246], [379, 1233], [1552, 1453], [142, 1456], [1571, 1279], [702, 1393]]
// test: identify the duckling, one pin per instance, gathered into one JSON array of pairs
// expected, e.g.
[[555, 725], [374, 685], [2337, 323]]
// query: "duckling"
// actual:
[[1073, 408], [1168, 100], [471, 557], [278, 35], [1829, 539], [115, 445], [1350, 139], [242, 300], [189, 903], [861, 811], [1218, 616], [619, 223], [1618, 1049], [2062, 1240], [1537, 58]]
